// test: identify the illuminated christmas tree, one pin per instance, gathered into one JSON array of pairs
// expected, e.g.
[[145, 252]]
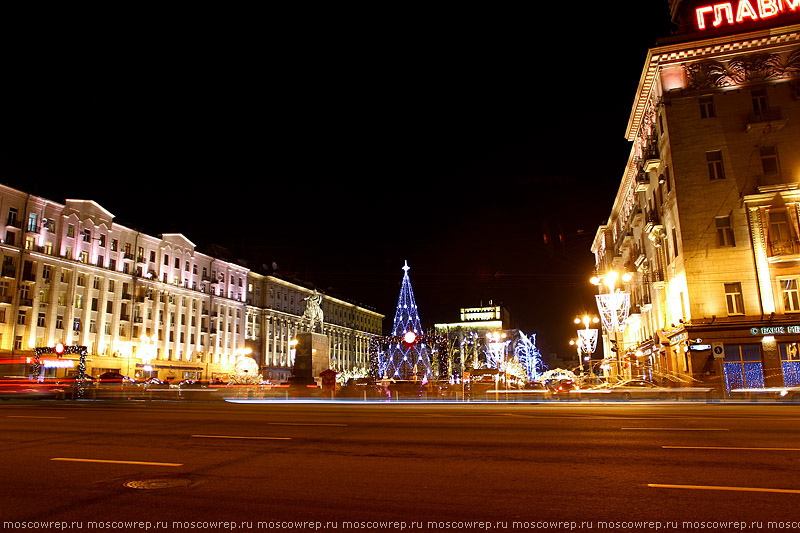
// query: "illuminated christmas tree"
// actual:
[[407, 357]]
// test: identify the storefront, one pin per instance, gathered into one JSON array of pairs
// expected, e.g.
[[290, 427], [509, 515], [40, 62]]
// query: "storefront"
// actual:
[[735, 356]]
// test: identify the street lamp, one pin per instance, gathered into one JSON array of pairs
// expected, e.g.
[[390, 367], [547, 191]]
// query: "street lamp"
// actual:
[[497, 343], [587, 339], [613, 305]]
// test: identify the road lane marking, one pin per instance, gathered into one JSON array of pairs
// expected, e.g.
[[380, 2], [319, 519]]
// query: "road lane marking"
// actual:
[[730, 448], [713, 487], [77, 460], [675, 429], [303, 424], [24, 416], [239, 437]]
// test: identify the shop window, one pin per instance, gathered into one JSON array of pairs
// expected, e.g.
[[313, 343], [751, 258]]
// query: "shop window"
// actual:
[[743, 367], [790, 363]]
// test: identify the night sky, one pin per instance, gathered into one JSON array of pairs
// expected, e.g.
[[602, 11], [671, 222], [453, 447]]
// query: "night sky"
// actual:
[[340, 142]]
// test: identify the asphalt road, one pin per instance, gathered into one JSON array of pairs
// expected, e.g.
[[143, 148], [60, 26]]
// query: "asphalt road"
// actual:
[[266, 467]]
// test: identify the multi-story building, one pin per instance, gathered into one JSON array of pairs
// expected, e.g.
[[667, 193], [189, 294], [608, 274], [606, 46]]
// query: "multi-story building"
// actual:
[[467, 339], [143, 305], [706, 214], [275, 315]]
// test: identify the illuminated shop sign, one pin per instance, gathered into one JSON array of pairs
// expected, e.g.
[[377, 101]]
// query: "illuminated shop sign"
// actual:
[[775, 330], [745, 11]]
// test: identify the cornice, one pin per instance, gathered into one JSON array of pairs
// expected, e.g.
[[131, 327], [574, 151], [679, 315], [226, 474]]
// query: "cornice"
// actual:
[[714, 48]]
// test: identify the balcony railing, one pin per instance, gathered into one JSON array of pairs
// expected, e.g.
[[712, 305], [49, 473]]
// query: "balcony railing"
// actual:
[[766, 115], [784, 247]]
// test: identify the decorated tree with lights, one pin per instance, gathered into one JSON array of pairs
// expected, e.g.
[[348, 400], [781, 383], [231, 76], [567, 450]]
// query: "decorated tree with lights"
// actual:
[[407, 352], [526, 352]]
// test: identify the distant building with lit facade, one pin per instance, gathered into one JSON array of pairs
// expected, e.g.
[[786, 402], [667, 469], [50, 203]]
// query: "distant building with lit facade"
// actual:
[[467, 338], [143, 305], [706, 214]]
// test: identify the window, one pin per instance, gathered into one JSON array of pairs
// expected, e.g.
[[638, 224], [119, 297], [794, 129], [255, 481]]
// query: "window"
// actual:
[[102, 242], [742, 367], [715, 168], [114, 245], [707, 107], [12, 217], [675, 242], [724, 231], [780, 239], [791, 296], [22, 318], [734, 299], [790, 363], [70, 230], [87, 236], [33, 222], [177, 262], [769, 160], [759, 98]]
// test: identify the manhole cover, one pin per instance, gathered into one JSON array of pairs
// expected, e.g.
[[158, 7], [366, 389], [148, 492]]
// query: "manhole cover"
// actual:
[[150, 484]]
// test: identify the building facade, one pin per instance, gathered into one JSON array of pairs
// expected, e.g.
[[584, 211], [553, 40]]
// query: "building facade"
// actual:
[[469, 339], [706, 214], [144, 306]]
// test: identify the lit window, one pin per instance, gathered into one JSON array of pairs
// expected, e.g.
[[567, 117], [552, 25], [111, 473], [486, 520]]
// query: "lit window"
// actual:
[[733, 296], [791, 296]]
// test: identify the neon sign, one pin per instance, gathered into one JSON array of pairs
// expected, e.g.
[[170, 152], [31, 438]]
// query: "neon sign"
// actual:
[[746, 11]]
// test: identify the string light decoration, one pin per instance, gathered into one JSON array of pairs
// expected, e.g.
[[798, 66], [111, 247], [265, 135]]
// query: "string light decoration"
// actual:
[[526, 352], [407, 353], [59, 349]]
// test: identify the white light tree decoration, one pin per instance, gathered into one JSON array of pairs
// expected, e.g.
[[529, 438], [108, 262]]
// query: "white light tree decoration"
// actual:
[[408, 357], [526, 352]]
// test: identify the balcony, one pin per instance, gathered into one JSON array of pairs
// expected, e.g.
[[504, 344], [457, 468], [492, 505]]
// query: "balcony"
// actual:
[[784, 250], [25, 302], [651, 157], [771, 118], [9, 271], [642, 181]]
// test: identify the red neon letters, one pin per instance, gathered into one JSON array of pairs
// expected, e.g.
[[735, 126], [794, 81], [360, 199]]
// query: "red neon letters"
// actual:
[[746, 10]]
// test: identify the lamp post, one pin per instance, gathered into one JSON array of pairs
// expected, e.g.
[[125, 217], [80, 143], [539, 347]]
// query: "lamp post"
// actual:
[[587, 339], [613, 305], [497, 343]]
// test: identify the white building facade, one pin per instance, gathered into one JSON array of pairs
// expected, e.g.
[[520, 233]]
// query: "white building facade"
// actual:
[[143, 305]]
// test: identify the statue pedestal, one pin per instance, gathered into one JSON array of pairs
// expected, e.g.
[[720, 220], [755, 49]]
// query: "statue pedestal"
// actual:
[[311, 357]]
